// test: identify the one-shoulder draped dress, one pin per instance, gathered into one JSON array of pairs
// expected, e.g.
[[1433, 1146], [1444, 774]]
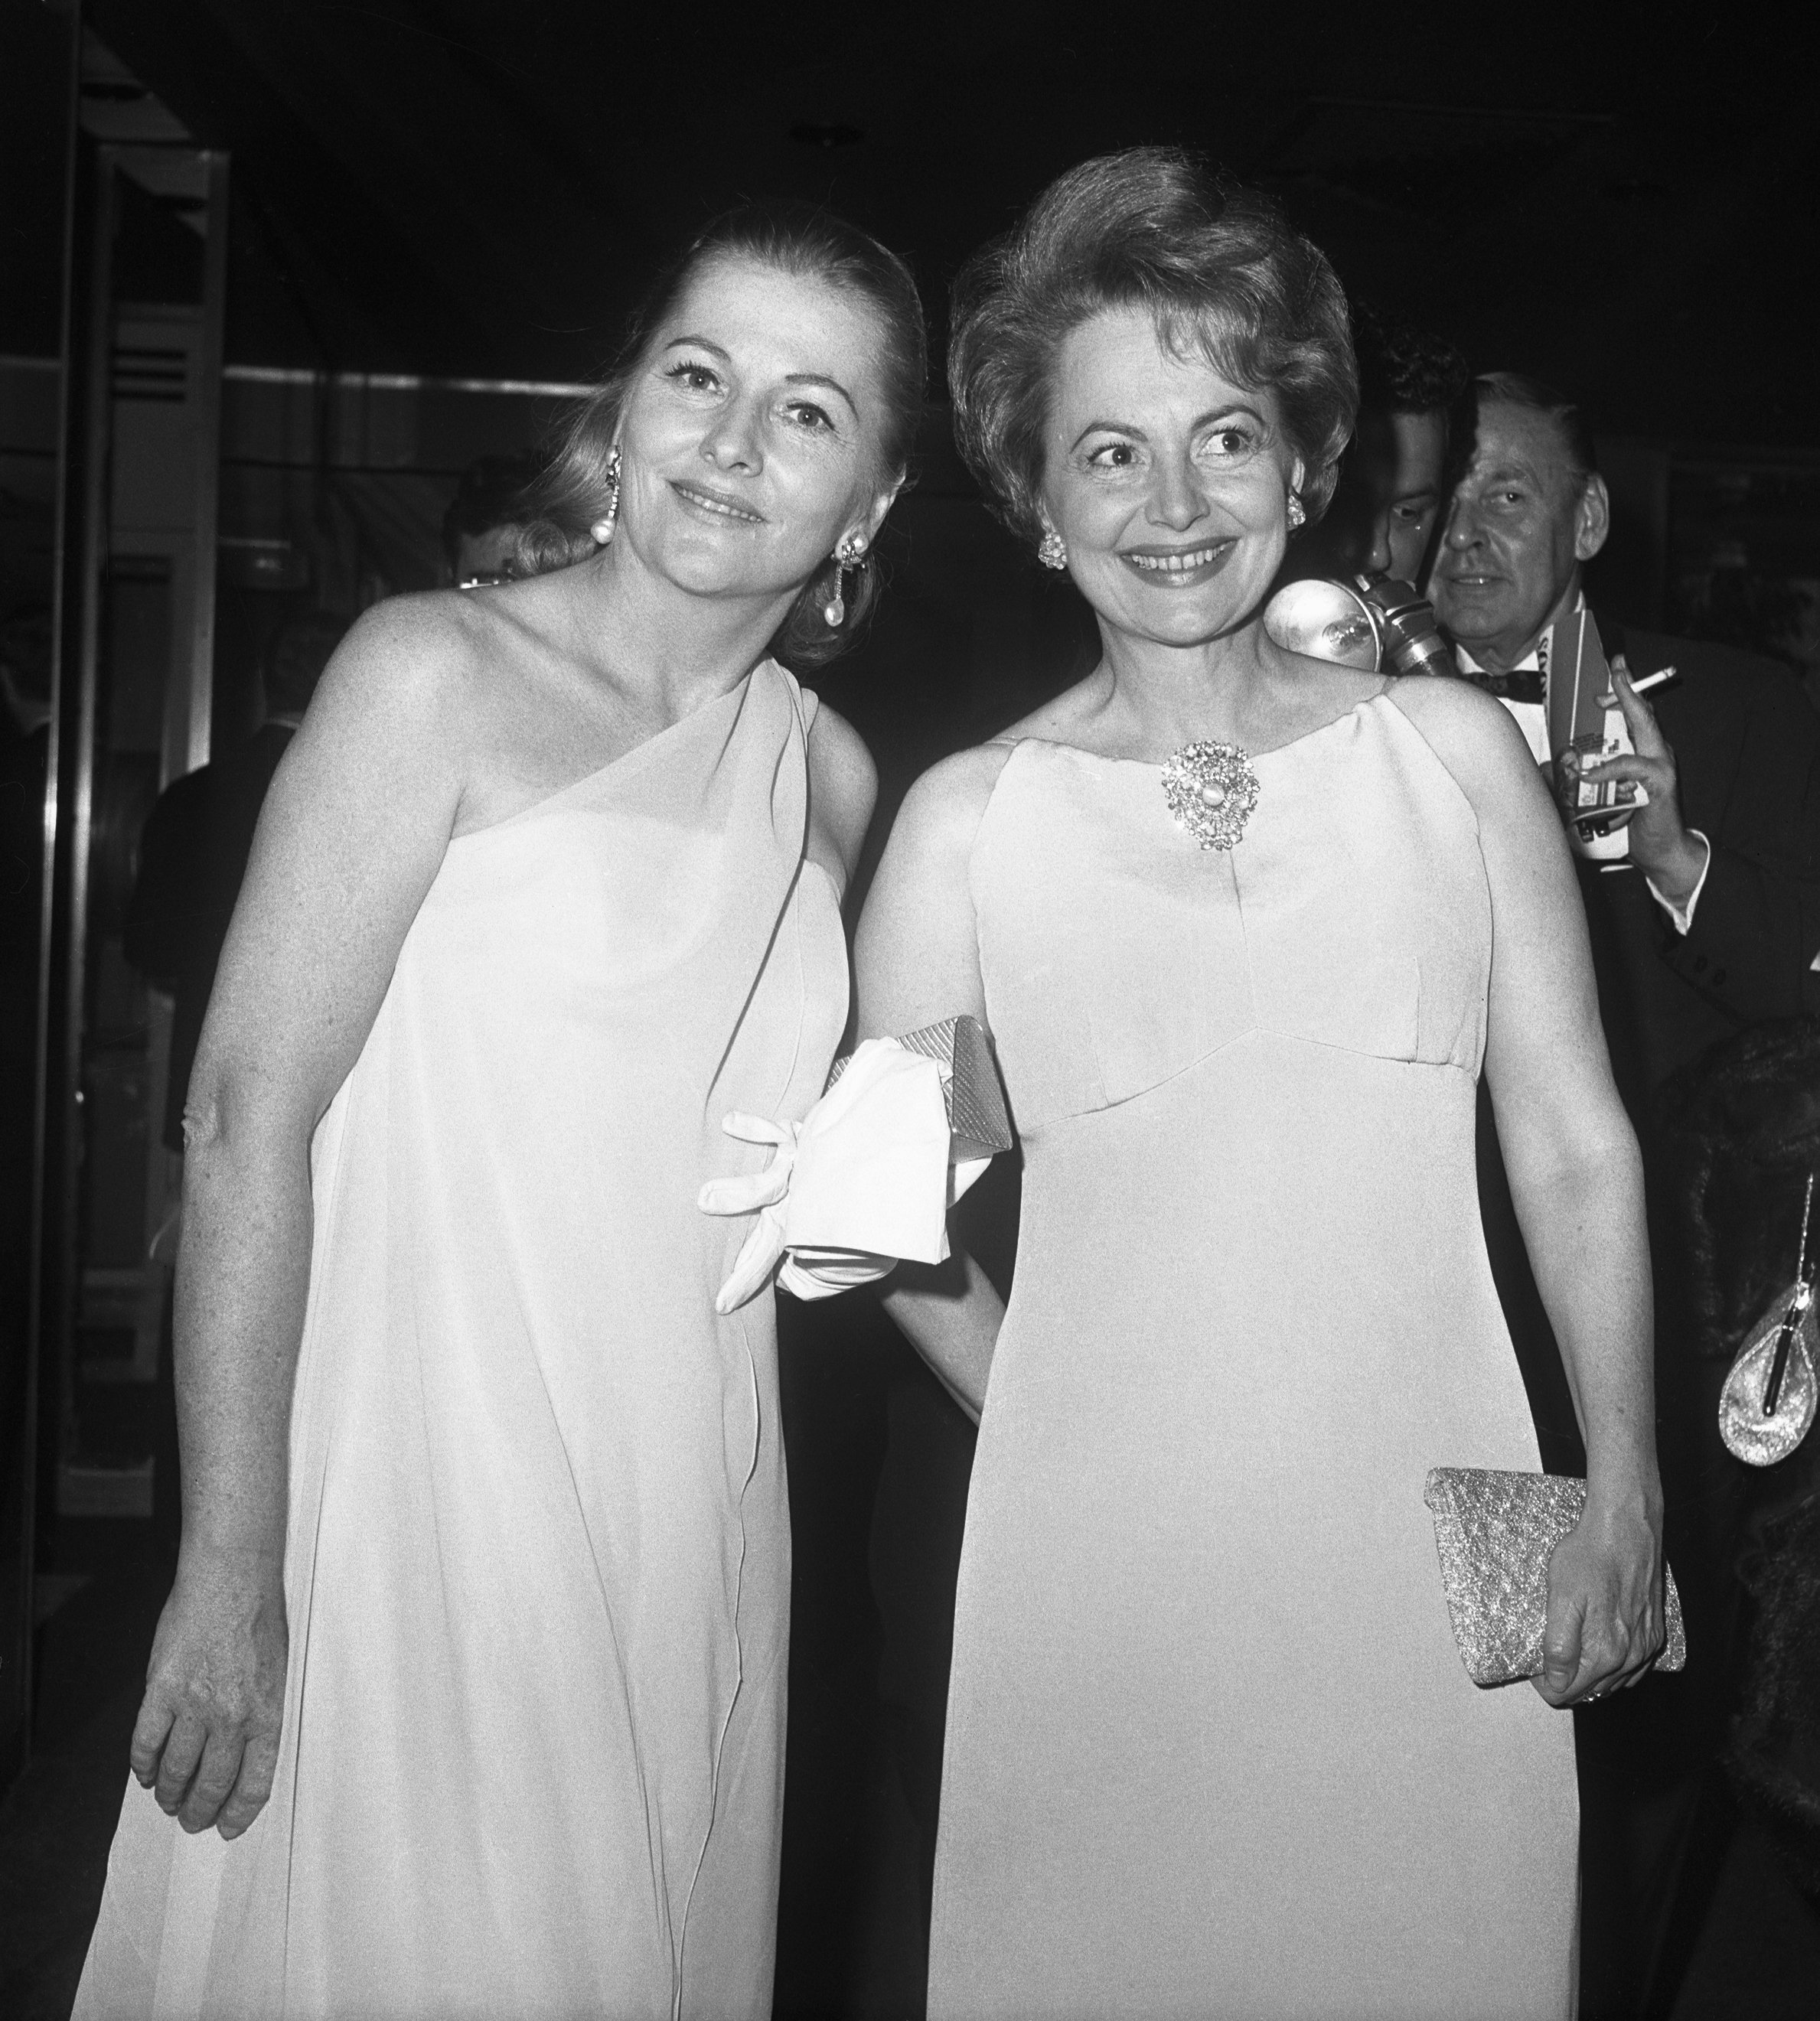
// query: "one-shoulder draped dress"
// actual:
[[538, 1565], [1211, 1750]]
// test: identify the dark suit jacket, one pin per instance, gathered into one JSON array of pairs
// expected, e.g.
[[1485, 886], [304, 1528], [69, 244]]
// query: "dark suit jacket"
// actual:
[[1747, 748], [192, 856]]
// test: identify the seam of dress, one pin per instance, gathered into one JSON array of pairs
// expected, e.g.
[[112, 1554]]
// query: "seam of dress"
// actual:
[[788, 913], [1238, 1039], [739, 1678], [800, 743], [1434, 758]]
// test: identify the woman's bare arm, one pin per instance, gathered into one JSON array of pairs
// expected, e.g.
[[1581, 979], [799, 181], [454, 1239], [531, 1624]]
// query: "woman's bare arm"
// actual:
[[353, 833], [843, 791], [917, 961], [1576, 1179]]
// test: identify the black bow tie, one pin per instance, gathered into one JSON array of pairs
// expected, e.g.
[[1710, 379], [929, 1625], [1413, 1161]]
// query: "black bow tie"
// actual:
[[1524, 684]]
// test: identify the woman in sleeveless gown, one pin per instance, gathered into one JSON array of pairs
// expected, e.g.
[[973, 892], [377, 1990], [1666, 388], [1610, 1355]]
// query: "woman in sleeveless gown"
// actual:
[[552, 879], [1210, 1749]]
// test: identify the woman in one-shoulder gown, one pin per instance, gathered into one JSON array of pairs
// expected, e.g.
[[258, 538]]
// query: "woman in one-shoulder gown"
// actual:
[[525, 1750], [1244, 927]]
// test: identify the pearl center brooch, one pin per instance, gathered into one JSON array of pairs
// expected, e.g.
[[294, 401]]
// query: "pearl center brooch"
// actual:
[[1211, 789]]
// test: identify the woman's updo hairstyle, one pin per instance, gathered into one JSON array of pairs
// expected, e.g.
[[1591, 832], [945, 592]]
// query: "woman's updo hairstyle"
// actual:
[[573, 492], [1215, 265]]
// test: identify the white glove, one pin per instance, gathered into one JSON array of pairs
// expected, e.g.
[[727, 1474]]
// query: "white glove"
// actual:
[[860, 1182], [766, 1193]]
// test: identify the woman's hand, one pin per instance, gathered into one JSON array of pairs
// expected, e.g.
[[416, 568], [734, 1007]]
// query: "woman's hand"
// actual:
[[206, 1737], [1605, 1626]]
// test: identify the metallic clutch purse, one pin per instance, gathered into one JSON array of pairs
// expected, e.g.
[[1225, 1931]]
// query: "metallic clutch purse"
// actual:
[[970, 1083], [1495, 1532]]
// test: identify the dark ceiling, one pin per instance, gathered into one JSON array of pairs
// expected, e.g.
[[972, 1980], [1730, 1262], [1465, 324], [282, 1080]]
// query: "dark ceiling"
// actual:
[[1621, 199]]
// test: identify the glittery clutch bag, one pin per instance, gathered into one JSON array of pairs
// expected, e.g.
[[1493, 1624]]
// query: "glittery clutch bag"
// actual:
[[1495, 1532], [970, 1084]]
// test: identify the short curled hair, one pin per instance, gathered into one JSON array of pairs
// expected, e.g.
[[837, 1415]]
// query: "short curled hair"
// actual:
[[1213, 263], [573, 492]]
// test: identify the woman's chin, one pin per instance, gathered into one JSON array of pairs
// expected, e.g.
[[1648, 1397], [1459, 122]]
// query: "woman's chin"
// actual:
[[718, 566], [1183, 619], [1178, 612]]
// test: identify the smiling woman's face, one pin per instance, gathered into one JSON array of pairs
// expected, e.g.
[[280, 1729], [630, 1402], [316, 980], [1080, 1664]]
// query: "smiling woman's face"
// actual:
[[1168, 483], [749, 440]]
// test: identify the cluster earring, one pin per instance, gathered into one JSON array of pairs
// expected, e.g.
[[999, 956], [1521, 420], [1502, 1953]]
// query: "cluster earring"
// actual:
[[1298, 512], [1053, 552], [849, 555], [602, 529]]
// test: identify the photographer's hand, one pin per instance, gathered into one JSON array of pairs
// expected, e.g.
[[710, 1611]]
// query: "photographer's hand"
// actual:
[[1662, 846]]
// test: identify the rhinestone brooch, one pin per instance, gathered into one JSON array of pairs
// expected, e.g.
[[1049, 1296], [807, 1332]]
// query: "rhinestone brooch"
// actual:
[[1211, 789]]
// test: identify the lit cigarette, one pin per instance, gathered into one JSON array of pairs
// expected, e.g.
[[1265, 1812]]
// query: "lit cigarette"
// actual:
[[1640, 687]]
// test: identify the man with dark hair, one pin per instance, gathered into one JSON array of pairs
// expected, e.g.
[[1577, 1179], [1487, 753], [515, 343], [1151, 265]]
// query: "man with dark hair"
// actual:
[[1704, 915], [480, 528], [1392, 478]]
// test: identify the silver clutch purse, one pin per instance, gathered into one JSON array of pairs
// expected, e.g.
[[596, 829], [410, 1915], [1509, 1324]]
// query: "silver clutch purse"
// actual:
[[1495, 1532], [970, 1083]]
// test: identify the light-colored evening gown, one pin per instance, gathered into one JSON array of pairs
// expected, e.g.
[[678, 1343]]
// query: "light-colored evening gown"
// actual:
[[1211, 1751], [538, 1571]]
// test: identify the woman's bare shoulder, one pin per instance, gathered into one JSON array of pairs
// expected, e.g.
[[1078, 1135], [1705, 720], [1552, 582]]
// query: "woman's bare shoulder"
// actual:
[[955, 793], [1471, 732], [844, 782], [941, 814], [837, 748], [413, 657], [1059, 720]]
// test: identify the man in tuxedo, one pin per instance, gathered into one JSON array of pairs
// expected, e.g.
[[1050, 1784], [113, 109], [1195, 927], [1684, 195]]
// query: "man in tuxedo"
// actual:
[[1708, 922], [1728, 847]]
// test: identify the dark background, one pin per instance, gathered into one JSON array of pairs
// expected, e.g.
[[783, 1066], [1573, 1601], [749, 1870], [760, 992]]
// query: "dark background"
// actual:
[[1620, 196], [1622, 199]]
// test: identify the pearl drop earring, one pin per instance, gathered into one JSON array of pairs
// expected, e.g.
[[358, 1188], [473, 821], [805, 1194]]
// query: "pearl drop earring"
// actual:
[[848, 555]]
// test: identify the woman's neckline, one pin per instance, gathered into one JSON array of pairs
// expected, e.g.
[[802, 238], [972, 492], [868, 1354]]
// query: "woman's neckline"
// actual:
[[1257, 757], [645, 745]]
